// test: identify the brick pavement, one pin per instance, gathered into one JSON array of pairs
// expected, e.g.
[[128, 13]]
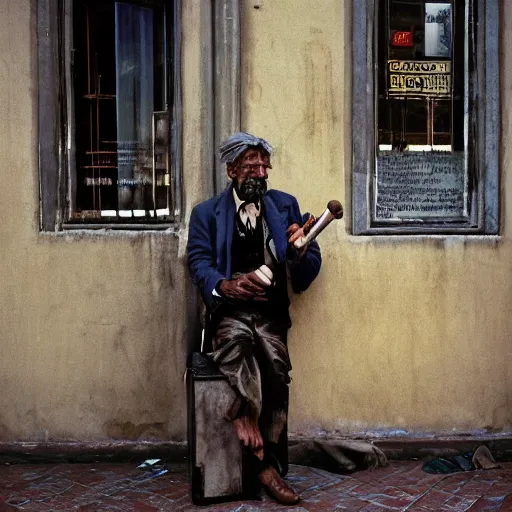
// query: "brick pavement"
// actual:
[[402, 486]]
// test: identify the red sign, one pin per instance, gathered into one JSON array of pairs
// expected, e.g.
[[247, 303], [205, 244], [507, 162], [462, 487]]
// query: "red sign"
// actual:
[[401, 38]]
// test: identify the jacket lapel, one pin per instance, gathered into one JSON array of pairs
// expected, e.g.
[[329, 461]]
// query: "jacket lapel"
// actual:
[[277, 223], [225, 218]]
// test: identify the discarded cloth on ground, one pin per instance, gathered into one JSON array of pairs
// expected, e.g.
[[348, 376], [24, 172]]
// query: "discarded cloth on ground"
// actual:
[[481, 459], [337, 456]]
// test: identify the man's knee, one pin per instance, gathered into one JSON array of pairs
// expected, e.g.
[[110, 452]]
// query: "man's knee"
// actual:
[[232, 331]]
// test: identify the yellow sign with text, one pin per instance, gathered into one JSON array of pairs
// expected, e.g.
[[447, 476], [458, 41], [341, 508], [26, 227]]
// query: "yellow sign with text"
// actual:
[[419, 78]]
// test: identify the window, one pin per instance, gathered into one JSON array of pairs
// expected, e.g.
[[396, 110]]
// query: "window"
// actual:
[[121, 105], [114, 65], [425, 81]]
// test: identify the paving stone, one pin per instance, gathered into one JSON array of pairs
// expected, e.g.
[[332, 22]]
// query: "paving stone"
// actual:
[[402, 486]]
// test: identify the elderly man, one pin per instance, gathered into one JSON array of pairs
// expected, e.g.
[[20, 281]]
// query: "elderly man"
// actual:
[[240, 252]]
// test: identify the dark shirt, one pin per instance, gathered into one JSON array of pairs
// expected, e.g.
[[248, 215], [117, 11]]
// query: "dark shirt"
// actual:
[[247, 248], [248, 254]]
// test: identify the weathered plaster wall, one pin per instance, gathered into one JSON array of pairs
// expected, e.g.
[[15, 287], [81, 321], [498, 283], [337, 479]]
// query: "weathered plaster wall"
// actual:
[[408, 333], [94, 327]]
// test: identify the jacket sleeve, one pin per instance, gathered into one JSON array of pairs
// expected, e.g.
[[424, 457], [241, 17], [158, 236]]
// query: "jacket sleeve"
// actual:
[[304, 272], [201, 255]]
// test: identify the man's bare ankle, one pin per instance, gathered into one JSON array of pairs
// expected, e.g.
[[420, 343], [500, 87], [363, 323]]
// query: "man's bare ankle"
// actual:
[[267, 474]]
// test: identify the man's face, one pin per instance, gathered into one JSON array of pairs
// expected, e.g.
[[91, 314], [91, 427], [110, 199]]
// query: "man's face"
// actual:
[[249, 174]]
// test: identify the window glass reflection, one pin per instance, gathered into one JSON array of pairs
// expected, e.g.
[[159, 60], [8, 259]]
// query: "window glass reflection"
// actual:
[[418, 93], [421, 169], [121, 102]]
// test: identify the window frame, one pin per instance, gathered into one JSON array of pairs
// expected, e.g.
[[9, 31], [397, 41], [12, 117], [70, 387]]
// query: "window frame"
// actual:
[[56, 127], [57, 178], [485, 117]]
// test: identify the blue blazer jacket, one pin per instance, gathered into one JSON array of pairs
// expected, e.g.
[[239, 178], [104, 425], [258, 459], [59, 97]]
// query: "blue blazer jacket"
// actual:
[[211, 234]]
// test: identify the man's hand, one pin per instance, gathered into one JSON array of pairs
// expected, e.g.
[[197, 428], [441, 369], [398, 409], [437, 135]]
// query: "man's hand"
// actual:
[[294, 232], [244, 287]]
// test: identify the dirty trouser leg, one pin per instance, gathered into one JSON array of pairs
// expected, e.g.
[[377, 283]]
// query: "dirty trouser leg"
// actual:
[[251, 351], [274, 383]]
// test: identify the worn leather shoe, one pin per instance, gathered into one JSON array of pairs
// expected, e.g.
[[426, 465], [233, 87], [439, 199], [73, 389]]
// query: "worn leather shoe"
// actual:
[[277, 488]]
